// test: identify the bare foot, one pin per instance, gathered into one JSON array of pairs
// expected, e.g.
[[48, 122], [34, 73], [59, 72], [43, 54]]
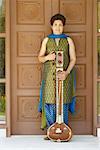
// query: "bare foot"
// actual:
[[46, 138]]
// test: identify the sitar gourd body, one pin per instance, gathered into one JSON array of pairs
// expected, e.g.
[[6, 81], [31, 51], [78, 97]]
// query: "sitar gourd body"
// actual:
[[59, 131]]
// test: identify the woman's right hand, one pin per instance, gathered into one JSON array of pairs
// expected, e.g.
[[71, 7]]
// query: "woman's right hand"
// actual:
[[51, 56]]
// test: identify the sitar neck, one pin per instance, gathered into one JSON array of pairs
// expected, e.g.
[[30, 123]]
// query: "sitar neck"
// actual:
[[60, 97], [59, 88]]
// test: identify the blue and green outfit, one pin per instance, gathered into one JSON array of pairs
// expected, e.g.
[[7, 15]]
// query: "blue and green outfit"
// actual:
[[47, 103]]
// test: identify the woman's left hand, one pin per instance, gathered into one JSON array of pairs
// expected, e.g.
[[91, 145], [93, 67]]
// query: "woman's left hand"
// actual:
[[62, 75]]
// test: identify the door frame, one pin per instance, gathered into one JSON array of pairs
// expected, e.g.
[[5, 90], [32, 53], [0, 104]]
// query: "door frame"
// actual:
[[7, 80], [95, 68]]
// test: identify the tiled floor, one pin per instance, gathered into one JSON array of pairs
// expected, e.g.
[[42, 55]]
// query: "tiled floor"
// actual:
[[36, 142]]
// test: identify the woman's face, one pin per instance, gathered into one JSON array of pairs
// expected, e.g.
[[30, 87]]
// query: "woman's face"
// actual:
[[57, 27]]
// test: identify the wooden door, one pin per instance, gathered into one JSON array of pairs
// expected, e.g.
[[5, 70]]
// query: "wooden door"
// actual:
[[29, 25], [79, 27]]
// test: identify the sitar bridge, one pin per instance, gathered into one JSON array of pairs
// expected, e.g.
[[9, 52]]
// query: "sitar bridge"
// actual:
[[58, 130]]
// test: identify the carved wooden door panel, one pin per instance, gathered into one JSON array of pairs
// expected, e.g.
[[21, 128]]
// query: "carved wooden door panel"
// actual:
[[79, 27], [29, 25]]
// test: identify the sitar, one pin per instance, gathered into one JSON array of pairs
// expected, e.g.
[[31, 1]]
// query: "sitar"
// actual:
[[59, 131]]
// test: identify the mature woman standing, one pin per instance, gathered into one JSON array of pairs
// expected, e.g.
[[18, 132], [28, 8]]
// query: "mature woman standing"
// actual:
[[52, 43]]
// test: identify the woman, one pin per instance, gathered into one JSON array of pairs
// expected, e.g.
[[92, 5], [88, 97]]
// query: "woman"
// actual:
[[52, 43]]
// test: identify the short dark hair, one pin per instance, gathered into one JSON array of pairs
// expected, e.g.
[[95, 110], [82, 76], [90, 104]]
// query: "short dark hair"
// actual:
[[58, 17]]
